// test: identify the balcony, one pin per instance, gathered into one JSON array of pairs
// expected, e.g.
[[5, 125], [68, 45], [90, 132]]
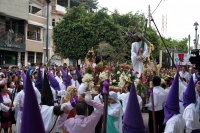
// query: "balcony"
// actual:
[[15, 37], [33, 36], [34, 33]]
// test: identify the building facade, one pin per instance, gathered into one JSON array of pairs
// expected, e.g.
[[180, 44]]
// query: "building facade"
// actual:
[[13, 18]]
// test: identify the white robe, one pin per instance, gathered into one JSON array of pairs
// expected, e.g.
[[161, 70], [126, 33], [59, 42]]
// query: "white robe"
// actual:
[[191, 118], [49, 119], [124, 97], [182, 89], [137, 65], [81, 89], [116, 111], [175, 124]]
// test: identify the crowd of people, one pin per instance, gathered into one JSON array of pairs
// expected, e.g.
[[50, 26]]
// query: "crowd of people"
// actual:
[[60, 92]]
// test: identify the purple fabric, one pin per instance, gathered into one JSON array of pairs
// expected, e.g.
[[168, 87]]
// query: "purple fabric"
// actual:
[[171, 106], [177, 66], [133, 121], [196, 131], [78, 74], [31, 117], [18, 72], [171, 81], [1, 98], [66, 78], [53, 82], [74, 101], [24, 80], [155, 60], [105, 87], [189, 96], [195, 81], [149, 91], [38, 82]]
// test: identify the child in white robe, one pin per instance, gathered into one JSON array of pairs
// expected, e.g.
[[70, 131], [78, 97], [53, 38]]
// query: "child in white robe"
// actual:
[[114, 118]]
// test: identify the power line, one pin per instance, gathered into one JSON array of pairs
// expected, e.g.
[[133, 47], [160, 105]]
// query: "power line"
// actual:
[[156, 7]]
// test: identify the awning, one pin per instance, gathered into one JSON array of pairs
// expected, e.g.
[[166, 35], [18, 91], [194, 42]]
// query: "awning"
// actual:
[[35, 23], [39, 24]]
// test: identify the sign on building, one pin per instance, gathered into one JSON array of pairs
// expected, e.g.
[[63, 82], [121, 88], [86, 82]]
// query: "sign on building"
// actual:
[[185, 59]]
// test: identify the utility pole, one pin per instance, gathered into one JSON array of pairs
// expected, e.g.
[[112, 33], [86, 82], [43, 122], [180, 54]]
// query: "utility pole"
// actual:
[[47, 36], [189, 43], [68, 3], [149, 15]]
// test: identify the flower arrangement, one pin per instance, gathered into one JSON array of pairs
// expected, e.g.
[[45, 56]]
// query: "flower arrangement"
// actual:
[[103, 76], [144, 81], [123, 79], [88, 80]]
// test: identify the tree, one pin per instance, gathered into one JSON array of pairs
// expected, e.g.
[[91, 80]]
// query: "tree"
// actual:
[[80, 31]]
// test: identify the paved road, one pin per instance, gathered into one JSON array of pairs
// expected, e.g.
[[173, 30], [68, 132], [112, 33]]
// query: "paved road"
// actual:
[[145, 118]]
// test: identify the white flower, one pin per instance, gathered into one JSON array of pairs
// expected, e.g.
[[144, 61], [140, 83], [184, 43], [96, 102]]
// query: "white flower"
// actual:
[[129, 75], [118, 72], [114, 81]]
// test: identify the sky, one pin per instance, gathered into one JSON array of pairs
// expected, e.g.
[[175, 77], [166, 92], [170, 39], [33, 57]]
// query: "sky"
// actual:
[[181, 14]]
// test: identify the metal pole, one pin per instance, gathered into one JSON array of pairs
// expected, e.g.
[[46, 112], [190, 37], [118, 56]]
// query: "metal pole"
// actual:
[[189, 43], [47, 37], [195, 38], [105, 112], [68, 3]]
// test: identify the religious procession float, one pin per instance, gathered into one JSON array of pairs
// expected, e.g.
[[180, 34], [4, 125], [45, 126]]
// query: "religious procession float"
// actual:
[[120, 74]]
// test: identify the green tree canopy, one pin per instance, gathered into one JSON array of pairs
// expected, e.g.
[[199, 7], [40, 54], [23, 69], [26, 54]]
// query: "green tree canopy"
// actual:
[[80, 30]]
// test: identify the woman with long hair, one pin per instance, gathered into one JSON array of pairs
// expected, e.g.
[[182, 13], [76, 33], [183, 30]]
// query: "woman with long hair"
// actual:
[[5, 116], [70, 94]]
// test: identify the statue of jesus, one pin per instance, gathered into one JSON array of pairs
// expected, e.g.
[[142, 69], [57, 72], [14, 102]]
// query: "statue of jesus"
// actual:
[[139, 51]]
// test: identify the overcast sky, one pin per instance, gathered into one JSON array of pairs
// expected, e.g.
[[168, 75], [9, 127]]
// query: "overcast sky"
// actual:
[[181, 14]]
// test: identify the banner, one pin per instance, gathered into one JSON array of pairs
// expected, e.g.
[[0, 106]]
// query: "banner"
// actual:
[[185, 59]]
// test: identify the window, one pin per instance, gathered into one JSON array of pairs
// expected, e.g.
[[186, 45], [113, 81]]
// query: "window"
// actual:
[[22, 57], [38, 57], [31, 57], [53, 22]]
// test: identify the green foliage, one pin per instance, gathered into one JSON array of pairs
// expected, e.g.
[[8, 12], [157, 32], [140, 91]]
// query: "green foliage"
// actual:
[[80, 30]]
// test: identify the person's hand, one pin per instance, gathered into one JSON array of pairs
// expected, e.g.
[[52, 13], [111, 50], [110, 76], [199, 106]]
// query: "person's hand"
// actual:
[[138, 58], [66, 110], [81, 99]]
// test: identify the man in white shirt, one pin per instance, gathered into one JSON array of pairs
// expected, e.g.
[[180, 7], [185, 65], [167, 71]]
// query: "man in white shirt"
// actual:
[[190, 114], [159, 99], [74, 81], [184, 74], [58, 77], [125, 96]]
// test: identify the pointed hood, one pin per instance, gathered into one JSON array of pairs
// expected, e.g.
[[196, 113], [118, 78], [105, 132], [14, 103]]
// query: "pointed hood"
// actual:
[[24, 80], [46, 96], [133, 121], [78, 74], [171, 106], [66, 78], [31, 123], [53, 82], [18, 72], [189, 95], [38, 82]]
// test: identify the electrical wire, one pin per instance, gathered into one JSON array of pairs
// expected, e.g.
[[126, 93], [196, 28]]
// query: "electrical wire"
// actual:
[[156, 7]]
